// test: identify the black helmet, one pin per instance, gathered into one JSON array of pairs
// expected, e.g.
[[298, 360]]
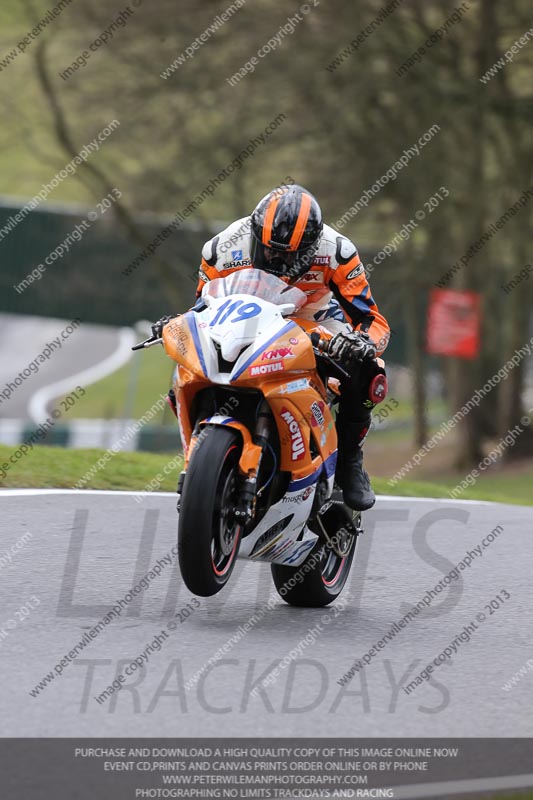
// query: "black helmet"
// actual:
[[286, 230]]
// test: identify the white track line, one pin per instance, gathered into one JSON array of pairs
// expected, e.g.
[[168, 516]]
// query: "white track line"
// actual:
[[86, 492], [435, 500], [451, 788], [39, 402], [387, 498]]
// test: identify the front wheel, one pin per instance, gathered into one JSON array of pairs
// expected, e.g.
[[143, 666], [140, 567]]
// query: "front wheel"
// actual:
[[321, 577], [208, 538]]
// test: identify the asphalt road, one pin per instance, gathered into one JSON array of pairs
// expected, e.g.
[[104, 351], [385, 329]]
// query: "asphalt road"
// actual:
[[88, 549], [25, 337]]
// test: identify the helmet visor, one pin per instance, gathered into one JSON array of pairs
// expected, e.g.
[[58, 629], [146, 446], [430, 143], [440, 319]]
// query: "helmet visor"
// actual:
[[289, 265]]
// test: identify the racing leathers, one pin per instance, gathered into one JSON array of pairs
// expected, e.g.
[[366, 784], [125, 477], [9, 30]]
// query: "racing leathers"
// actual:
[[339, 297]]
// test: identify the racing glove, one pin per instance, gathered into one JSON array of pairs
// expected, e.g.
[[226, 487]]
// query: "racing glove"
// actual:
[[157, 327], [351, 347]]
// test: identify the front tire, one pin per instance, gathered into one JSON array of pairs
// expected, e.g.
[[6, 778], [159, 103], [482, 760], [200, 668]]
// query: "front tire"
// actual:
[[208, 540]]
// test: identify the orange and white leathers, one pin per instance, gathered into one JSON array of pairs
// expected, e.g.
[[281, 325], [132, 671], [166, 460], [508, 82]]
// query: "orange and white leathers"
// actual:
[[336, 286]]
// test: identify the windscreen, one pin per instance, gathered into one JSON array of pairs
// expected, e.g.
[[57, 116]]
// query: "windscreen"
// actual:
[[257, 283]]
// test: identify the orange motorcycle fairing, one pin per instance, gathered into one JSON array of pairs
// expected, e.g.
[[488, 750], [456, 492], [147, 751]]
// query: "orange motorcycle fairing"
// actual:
[[290, 352], [305, 424], [274, 370], [284, 371], [181, 343], [251, 453]]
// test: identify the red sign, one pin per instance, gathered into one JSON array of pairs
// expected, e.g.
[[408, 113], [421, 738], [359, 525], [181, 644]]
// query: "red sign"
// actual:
[[453, 324]]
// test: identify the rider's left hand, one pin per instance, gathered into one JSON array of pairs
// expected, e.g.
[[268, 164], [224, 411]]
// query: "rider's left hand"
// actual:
[[351, 347]]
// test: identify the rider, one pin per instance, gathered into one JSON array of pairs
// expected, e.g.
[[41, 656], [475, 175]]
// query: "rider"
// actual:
[[286, 237]]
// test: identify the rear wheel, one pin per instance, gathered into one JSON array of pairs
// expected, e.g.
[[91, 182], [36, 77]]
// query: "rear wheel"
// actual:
[[208, 537], [321, 577]]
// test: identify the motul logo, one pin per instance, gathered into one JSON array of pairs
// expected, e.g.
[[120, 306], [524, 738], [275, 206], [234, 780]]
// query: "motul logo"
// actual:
[[262, 369], [297, 442], [280, 352]]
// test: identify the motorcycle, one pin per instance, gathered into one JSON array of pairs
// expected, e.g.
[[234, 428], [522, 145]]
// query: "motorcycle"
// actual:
[[254, 393]]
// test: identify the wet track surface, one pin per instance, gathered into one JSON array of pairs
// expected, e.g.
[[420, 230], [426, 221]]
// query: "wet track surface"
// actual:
[[88, 549]]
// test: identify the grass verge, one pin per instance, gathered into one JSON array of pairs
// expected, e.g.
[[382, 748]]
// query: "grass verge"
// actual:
[[55, 467], [130, 391]]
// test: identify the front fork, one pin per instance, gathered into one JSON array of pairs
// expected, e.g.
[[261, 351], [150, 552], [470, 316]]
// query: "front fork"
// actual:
[[246, 505], [249, 462]]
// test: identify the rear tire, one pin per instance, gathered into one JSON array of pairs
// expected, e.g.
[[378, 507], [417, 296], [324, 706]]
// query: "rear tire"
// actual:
[[208, 542], [321, 584]]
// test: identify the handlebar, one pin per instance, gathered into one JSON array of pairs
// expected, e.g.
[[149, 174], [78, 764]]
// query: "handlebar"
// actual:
[[151, 342], [321, 346]]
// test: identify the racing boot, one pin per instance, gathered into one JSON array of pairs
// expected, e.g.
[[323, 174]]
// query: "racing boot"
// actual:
[[350, 473]]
